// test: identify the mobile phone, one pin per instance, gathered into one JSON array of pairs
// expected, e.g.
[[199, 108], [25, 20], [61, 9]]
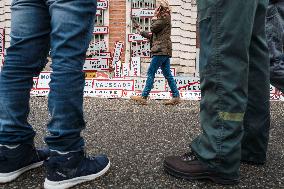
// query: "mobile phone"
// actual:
[[136, 25]]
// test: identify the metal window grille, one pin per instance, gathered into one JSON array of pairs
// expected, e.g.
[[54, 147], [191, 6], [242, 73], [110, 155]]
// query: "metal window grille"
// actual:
[[100, 21], [145, 23]]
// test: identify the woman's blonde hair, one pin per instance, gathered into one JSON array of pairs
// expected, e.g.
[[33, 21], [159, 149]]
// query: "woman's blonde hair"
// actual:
[[166, 8], [164, 3]]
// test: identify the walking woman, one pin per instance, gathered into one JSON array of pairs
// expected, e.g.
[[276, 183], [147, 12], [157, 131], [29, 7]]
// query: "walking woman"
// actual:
[[161, 50]]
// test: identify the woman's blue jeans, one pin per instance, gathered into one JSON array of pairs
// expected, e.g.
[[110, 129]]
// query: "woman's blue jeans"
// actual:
[[162, 62]]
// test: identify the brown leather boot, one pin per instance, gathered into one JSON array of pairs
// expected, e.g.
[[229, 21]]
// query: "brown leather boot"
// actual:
[[141, 100], [173, 101], [190, 168]]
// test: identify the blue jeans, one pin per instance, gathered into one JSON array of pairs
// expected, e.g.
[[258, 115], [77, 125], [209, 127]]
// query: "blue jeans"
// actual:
[[275, 37], [164, 63], [65, 27]]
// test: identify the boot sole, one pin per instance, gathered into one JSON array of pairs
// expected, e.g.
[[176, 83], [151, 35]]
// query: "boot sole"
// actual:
[[172, 104], [199, 176], [8, 177], [139, 102], [72, 182]]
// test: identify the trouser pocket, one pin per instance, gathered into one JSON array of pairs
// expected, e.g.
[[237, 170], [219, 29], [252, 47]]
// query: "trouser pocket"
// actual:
[[207, 33]]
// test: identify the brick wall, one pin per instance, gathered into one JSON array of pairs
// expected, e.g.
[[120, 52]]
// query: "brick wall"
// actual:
[[117, 23]]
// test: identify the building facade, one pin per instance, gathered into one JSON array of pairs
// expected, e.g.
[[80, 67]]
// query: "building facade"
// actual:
[[115, 23], [118, 57]]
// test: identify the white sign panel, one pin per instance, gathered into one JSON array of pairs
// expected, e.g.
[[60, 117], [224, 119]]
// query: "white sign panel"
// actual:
[[88, 84], [101, 30], [99, 12], [111, 84], [38, 92], [43, 80], [190, 95], [103, 93], [160, 95], [275, 94], [118, 69], [2, 40], [102, 5], [141, 50], [142, 12], [96, 64], [100, 46], [135, 67], [135, 37], [117, 52], [159, 84], [128, 94], [187, 84], [1, 61], [103, 55], [125, 69]]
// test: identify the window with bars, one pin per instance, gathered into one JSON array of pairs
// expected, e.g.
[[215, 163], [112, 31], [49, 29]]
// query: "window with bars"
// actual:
[[98, 44], [100, 21], [141, 13], [141, 5]]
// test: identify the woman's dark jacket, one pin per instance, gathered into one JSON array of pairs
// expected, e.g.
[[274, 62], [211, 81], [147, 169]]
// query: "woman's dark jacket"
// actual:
[[160, 39]]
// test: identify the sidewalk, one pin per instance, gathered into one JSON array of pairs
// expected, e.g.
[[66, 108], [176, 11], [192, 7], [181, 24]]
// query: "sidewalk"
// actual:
[[137, 138]]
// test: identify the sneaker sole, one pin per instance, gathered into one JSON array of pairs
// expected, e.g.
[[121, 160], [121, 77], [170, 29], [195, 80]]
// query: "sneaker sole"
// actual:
[[72, 182], [8, 177], [203, 176]]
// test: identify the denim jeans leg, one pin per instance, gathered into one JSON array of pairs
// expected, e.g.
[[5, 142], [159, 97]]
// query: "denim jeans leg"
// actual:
[[153, 68], [166, 68], [25, 58], [275, 37], [72, 24]]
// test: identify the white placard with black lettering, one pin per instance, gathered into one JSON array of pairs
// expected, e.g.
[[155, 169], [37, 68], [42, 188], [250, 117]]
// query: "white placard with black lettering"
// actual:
[[160, 95], [141, 50], [43, 80], [118, 69], [96, 64], [39, 92], [101, 30], [113, 84], [1, 61], [118, 48], [2, 40], [142, 12], [190, 95], [125, 69], [159, 84], [187, 83], [135, 37], [102, 5], [135, 67]]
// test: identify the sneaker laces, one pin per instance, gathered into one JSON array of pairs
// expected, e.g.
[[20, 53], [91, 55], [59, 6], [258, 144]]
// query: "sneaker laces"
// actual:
[[92, 158], [87, 156], [189, 156]]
